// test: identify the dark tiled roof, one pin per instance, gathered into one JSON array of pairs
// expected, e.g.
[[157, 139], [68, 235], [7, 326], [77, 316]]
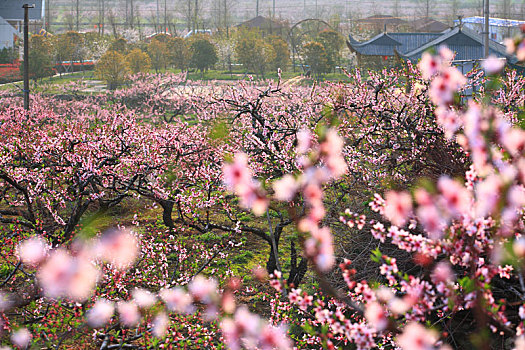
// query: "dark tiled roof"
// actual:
[[386, 44], [467, 44], [432, 27], [411, 41], [380, 45], [12, 9], [261, 22]]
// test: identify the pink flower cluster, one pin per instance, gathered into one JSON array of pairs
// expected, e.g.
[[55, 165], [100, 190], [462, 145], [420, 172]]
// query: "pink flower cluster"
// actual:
[[74, 275], [238, 178]]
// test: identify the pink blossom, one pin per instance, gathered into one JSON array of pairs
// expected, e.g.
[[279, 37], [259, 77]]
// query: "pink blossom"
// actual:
[[21, 338], [203, 289], [493, 65], [398, 206], [304, 141], [446, 54], [285, 188], [430, 218], [510, 45], [376, 316], [129, 313], [177, 300], [160, 325], [456, 197], [237, 172], [320, 247], [514, 141], [333, 143], [274, 338], [519, 247], [488, 194], [65, 276], [100, 314], [143, 298], [429, 65], [416, 337], [442, 273], [33, 251], [119, 247], [448, 119]]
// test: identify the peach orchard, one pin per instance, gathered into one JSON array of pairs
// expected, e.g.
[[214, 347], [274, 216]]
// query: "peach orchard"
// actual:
[[389, 210]]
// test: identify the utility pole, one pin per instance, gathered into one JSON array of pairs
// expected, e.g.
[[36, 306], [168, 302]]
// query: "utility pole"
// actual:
[[26, 8], [273, 13], [486, 33], [165, 18], [257, 9]]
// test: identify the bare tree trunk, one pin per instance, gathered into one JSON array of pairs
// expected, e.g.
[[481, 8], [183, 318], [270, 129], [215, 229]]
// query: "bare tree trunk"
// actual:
[[131, 14], [196, 11], [77, 13]]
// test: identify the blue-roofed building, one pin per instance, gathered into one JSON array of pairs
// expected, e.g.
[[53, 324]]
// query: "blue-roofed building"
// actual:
[[499, 28], [386, 49]]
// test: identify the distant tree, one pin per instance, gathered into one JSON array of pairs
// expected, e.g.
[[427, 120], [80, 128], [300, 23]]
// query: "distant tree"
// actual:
[[119, 45], [40, 59], [7, 55], [281, 51], [69, 47], [222, 18], [253, 52], [203, 54], [425, 7], [315, 56], [179, 53], [95, 45], [158, 52], [225, 49], [332, 42], [112, 68], [138, 61]]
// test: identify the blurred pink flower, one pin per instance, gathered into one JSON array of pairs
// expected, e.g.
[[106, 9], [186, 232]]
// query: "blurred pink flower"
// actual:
[[457, 198], [493, 65], [237, 172], [442, 273], [203, 289], [376, 316], [416, 337], [21, 338], [33, 251], [143, 298], [129, 313], [304, 141], [398, 207], [65, 276], [100, 314], [119, 247], [177, 300], [160, 325], [429, 65], [285, 188]]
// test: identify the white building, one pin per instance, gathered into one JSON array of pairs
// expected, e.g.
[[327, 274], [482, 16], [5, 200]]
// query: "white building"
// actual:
[[499, 28], [8, 33], [12, 19]]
